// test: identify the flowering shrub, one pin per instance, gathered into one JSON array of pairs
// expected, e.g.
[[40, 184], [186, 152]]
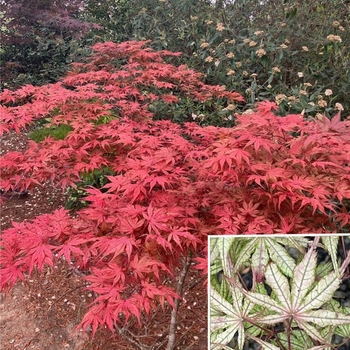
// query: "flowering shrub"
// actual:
[[286, 56], [168, 185], [291, 49]]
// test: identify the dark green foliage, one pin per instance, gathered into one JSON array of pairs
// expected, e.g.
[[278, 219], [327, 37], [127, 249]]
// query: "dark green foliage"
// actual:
[[288, 51], [42, 39], [97, 179]]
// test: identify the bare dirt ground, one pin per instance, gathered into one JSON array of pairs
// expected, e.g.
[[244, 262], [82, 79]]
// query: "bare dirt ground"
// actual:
[[43, 313]]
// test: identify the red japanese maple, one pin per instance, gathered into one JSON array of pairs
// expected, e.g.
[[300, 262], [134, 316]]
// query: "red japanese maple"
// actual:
[[172, 185]]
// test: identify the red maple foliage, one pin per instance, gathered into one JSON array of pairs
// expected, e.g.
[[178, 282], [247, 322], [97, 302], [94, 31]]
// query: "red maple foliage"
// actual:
[[172, 185]]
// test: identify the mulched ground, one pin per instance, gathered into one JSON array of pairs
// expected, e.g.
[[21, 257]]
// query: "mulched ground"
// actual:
[[43, 313]]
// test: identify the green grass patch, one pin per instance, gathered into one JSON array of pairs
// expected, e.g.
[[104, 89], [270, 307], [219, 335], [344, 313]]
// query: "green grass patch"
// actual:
[[58, 132]]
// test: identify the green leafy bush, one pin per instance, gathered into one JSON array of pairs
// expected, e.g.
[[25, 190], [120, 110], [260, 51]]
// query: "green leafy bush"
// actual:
[[42, 40], [3, 29], [40, 58], [296, 53], [96, 179]]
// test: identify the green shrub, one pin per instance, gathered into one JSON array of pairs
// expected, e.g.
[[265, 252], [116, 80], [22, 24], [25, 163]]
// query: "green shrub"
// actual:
[[96, 178], [42, 40], [296, 53], [3, 29]]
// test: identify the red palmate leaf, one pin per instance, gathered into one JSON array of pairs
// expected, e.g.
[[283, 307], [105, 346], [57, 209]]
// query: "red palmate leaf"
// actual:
[[183, 238], [115, 246], [128, 307], [93, 318], [10, 275], [141, 266], [71, 246], [156, 220]]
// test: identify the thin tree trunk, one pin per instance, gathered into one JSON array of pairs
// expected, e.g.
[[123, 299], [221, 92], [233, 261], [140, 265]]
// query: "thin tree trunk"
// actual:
[[172, 328]]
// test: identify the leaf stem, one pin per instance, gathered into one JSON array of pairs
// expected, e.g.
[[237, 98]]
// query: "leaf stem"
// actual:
[[289, 333]]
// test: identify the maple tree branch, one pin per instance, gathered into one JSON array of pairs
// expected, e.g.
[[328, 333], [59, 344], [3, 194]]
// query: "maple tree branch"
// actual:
[[172, 328], [122, 331], [183, 335]]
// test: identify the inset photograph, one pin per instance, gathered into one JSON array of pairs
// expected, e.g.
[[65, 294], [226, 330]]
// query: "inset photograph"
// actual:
[[279, 292]]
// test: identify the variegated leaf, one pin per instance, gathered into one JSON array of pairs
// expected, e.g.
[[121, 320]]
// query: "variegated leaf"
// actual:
[[323, 269], [311, 331], [331, 245], [296, 340], [219, 303], [265, 301], [325, 318], [303, 277], [280, 256], [214, 249], [279, 284], [272, 319], [245, 253], [343, 330], [298, 242], [321, 293], [237, 297], [224, 244]]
